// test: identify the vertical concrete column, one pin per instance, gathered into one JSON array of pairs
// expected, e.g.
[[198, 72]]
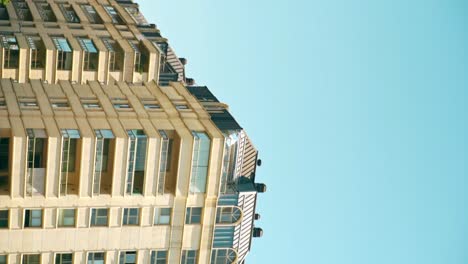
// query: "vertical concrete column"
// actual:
[[18, 166], [52, 177], [86, 166], [120, 165], [150, 171]]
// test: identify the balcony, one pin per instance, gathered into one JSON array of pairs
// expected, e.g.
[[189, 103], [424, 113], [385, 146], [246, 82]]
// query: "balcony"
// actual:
[[167, 74]]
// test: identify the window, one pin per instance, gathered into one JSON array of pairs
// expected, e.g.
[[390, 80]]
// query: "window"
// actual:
[[33, 218], [32, 259], [2, 103], [201, 156], [116, 19], [91, 104], [45, 11], [11, 51], [91, 14], [58, 105], [3, 219], [223, 256], [181, 106], [165, 160], [91, 55], [28, 104], [115, 54], [37, 52], [227, 215], [131, 216], [3, 259], [136, 161], [158, 257], [223, 237], [193, 215], [122, 106], [141, 60], [22, 9], [69, 13], [36, 160], [162, 216], [64, 53], [127, 257], [99, 216], [136, 15], [152, 106], [96, 258], [102, 165], [66, 217], [189, 257], [64, 258], [4, 163], [70, 139]]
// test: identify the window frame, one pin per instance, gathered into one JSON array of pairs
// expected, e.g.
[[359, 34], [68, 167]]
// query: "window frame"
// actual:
[[91, 224], [28, 255], [156, 259], [126, 219], [158, 210], [186, 258], [31, 218], [191, 216], [2, 218], [63, 225], [61, 255], [89, 253]]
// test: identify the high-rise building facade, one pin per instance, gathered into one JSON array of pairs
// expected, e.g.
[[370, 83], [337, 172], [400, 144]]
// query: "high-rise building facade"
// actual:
[[108, 153]]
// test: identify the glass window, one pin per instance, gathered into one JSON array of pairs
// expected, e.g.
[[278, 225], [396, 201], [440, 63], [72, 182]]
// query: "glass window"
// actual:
[[64, 258], [4, 218], [96, 257], [193, 215], [201, 156], [131, 216], [99, 216], [33, 218], [22, 9], [162, 216], [223, 256], [32, 259], [60, 105], [91, 14], [3, 259], [127, 257], [227, 215], [122, 106], [158, 257], [64, 53], [136, 161], [181, 106], [116, 19], [91, 55], [223, 237], [152, 106], [11, 51], [37, 50], [45, 11], [69, 13], [66, 217], [91, 105], [189, 257]]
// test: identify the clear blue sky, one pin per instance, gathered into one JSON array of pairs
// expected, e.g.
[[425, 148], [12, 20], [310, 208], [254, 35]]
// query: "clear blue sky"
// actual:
[[359, 110]]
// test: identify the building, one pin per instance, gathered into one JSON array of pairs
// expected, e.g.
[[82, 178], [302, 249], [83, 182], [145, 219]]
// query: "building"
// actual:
[[108, 153]]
